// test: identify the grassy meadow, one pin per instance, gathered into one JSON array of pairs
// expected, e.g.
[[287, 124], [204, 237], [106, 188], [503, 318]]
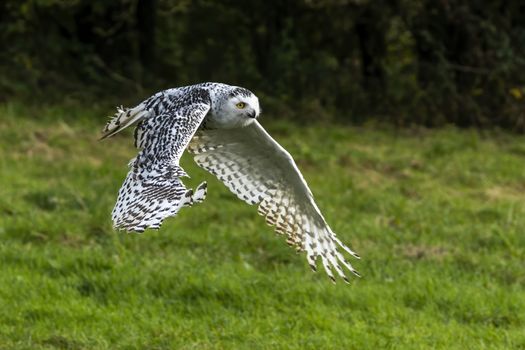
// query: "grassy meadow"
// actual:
[[438, 217]]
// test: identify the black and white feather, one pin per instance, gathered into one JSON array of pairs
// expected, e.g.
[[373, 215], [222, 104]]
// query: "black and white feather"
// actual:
[[217, 123]]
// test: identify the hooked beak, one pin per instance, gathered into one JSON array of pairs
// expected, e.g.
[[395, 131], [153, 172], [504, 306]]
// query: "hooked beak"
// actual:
[[252, 114]]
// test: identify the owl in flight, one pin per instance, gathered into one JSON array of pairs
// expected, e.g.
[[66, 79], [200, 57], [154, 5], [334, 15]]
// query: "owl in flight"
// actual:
[[217, 123]]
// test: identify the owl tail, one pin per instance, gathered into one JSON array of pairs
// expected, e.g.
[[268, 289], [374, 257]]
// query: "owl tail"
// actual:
[[124, 118]]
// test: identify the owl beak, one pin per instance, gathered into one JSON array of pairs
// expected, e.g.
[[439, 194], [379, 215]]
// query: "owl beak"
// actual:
[[252, 114]]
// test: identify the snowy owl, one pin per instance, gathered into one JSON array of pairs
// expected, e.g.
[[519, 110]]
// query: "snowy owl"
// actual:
[[217, 123]]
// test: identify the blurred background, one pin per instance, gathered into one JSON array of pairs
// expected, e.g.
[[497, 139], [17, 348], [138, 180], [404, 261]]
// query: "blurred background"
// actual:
[[405, 118], [428, 62]]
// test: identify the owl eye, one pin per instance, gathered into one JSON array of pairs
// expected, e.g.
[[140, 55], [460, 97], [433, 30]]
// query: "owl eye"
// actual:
[[240, 105]]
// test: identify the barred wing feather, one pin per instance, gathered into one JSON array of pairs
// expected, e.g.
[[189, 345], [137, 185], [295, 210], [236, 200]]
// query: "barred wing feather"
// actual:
[[153, 190], [260, 171]]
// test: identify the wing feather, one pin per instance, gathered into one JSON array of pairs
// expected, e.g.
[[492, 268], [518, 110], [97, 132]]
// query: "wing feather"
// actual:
[[260, 171], [153, 190]]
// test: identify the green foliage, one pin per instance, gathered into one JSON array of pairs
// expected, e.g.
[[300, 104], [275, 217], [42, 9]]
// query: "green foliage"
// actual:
[[408, 62], [437, 216]]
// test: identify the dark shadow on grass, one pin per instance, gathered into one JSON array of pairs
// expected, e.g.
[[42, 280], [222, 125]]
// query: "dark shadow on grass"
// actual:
[[203, 294], [93, 290], [42, 200], [61, 342]]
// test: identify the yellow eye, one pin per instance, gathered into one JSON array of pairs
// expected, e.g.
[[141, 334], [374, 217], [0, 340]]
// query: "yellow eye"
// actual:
[[240, 105]]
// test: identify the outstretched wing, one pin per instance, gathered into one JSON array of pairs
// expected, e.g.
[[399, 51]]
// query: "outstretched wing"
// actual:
[[153, 190], [259, 171]]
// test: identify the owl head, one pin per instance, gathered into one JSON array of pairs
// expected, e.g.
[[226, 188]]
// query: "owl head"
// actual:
[[236, 107]]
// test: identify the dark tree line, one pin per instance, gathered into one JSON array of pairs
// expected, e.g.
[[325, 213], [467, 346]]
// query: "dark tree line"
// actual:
[[421, 61]]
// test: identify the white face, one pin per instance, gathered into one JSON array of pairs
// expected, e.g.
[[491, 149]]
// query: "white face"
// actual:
[[237, 110], [244, 108]]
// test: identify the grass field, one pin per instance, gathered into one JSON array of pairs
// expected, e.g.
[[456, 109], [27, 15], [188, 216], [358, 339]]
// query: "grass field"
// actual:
[[438, 218]]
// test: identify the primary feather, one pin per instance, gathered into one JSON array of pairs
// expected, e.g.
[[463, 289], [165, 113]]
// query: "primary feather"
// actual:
[[217, 123]]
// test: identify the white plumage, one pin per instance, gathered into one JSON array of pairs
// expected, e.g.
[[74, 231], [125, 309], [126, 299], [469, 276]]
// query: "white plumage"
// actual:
[[217, 123]]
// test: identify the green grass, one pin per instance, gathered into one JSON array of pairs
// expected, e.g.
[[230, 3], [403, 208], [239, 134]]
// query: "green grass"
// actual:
[[437, 216]]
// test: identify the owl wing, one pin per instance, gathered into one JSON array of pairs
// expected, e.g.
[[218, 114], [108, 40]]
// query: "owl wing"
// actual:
[[153, 190], [260, 171]]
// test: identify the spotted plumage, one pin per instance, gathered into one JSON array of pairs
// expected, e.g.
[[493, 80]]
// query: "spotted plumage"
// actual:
[[217, 123]]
